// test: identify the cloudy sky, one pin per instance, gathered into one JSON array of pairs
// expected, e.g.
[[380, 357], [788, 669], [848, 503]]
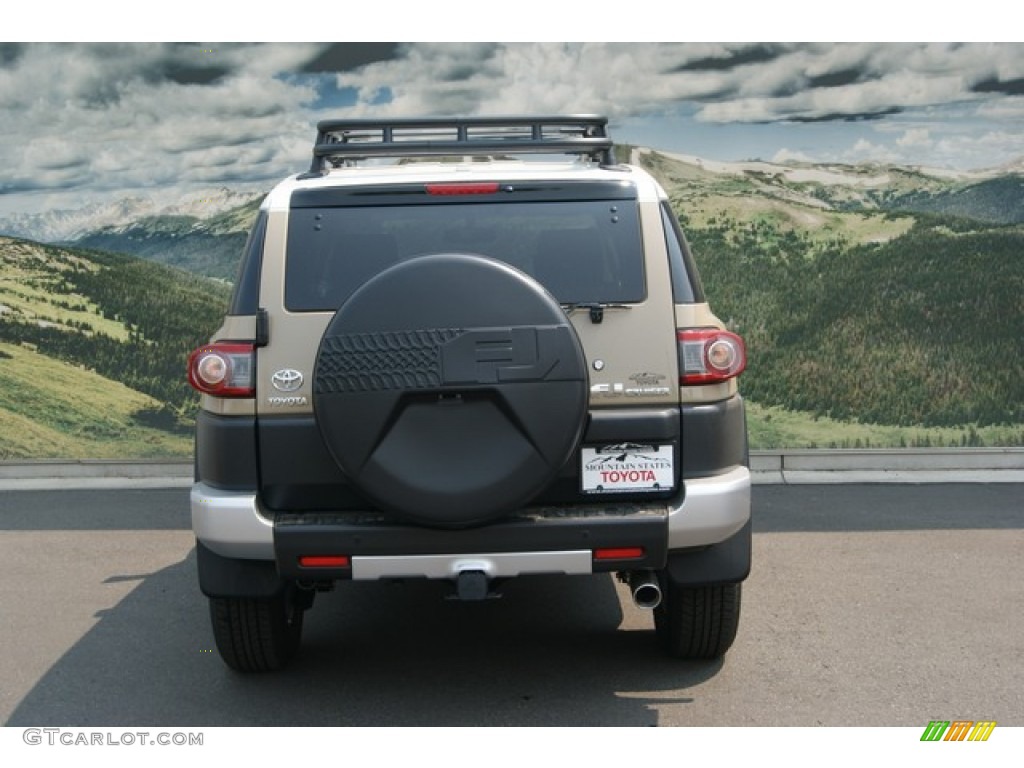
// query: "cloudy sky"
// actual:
[[84, 121]]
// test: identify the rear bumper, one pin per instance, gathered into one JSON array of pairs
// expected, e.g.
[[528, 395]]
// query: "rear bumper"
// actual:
[[230, 523], [709, 511]]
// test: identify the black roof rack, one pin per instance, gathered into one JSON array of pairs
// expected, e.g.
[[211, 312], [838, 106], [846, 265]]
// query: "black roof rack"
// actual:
[[339, 141]]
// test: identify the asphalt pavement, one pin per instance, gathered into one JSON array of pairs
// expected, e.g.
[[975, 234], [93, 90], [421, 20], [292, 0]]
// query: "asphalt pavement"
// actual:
[[868, 605]]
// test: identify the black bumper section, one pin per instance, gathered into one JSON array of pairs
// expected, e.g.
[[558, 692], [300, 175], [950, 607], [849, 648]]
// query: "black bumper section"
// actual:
[[228, 577], [226, 451], [714, 438], [725, 563], [537, 530], [296, 470]]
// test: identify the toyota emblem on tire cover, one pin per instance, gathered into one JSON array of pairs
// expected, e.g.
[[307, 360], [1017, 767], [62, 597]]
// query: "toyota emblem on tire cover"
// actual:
[[286, 380]]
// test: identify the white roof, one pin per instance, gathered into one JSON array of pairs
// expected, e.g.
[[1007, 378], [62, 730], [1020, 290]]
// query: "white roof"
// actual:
[[471, 170]]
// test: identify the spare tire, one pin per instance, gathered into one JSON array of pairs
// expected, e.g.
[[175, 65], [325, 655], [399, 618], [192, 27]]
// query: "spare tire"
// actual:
[[451, 389]]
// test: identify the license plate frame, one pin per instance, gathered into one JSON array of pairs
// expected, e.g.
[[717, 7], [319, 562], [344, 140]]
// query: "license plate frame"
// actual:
[[627, 468]]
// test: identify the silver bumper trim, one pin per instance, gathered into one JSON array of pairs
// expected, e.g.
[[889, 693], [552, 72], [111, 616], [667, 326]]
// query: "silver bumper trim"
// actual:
[[495, 565], [713, 509], [229, 523]]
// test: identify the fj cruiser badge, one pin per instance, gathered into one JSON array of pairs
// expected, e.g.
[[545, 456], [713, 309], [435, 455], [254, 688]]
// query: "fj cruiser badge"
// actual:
[[644, 385]]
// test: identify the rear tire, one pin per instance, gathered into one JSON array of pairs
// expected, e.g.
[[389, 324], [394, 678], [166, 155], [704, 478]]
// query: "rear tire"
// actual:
[[256, 635], [697, 622]]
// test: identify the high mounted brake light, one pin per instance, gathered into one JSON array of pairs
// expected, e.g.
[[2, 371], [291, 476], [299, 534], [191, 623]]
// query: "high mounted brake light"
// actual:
[[709, 356], [223, 370], [478, 188]]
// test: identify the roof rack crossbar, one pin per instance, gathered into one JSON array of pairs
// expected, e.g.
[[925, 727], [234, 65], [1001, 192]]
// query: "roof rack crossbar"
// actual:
[[341, 140]]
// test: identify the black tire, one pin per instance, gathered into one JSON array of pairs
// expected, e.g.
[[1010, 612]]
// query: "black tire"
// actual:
[[256, 635], [697, 622]]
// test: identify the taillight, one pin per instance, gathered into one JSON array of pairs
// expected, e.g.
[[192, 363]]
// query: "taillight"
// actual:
[[709, 355], [224, 370]]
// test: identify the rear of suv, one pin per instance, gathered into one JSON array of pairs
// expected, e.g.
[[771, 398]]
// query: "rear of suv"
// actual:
[[468, 350]]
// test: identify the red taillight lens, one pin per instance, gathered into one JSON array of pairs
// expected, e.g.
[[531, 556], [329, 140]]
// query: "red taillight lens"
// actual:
[[472, 188], [224, 370], [709, 355]]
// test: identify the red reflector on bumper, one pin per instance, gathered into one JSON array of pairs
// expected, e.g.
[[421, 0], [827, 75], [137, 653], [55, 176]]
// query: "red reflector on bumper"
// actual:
[[324, 561], [619, 553]]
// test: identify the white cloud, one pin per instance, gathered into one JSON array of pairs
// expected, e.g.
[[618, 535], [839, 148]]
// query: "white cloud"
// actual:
[[732, 82], [864, 151], [916, 137], [945, 147], [784, 156], [980, 150], [1009, 109], [114, 117]]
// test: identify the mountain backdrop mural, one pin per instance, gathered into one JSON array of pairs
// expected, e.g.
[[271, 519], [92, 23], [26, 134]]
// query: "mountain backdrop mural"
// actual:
[[882, 305], [856, 211]]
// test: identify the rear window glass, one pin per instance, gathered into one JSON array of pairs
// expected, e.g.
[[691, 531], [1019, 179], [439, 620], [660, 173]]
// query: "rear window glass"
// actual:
[[581, 251]]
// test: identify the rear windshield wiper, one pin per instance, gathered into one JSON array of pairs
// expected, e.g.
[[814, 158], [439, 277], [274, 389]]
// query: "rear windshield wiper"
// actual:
[[596, 308]]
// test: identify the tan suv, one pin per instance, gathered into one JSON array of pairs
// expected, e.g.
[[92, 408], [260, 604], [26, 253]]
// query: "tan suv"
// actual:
[[468, 350]]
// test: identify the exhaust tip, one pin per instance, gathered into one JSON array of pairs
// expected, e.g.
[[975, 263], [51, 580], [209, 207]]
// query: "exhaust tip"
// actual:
[[645, 590]]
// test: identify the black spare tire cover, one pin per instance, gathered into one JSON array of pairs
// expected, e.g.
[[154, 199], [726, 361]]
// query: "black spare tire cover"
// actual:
[[451, 389]]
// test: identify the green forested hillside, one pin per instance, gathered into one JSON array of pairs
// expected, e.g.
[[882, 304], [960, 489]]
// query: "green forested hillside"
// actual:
[[997, 201], [54, 409], [924, 329], [868, 322], [126, 321], [863, 313]]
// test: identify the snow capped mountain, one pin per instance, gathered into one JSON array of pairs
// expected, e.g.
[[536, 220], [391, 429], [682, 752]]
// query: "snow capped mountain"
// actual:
[[1017, 166], [150, 225], [208, 203], [62, 225], [70, 225], [832, 174]]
